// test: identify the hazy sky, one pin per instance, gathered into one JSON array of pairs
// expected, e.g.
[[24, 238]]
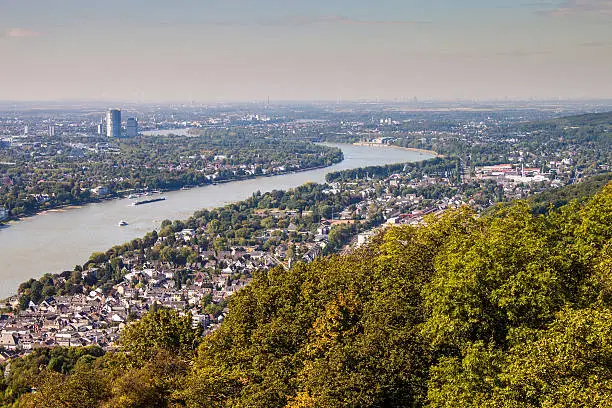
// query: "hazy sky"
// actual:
[[201, 50]]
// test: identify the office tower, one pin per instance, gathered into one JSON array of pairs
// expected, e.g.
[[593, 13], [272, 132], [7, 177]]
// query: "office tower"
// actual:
[[132, 127], [51, 130], [100, 128], [25, 130], [113, 123]]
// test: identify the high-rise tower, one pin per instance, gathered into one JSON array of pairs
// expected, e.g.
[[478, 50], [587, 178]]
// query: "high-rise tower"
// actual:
[[113, 123], [132, 127]]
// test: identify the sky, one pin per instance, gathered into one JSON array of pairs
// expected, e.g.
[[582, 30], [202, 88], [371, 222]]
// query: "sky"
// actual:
[[340, 50]]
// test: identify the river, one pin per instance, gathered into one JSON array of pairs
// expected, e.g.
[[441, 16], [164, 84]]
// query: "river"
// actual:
[[58, 240]]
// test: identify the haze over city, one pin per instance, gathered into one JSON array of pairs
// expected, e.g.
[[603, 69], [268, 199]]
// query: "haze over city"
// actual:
[[304, 50]]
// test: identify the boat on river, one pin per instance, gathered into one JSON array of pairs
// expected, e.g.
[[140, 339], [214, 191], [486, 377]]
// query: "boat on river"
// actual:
[[123, 223], [152, 200]]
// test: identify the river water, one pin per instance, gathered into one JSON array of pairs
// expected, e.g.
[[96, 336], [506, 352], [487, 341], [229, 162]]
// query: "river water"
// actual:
[[57, 240]]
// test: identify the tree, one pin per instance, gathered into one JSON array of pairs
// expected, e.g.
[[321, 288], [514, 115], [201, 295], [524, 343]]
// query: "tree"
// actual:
[[567, 364], [160, 330], [507, 273], [24, 301], [98, 258], [84, 387]]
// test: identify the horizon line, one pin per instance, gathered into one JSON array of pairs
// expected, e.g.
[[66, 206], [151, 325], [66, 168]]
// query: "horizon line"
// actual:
[[309, 101]]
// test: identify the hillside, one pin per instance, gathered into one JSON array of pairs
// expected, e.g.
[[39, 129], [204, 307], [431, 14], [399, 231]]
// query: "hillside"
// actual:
[[507, 310], [591, 128], [555, 198], [604, 118]]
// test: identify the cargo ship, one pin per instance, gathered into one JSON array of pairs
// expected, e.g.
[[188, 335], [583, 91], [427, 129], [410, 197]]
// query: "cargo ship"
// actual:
[[152, 200]]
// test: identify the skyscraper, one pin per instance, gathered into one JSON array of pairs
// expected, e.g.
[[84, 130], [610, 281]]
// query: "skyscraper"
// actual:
[[132, 127], [51, 130], [113, 123]]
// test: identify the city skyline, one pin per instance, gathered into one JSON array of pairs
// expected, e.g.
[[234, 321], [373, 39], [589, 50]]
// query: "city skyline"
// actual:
[[292, 50]]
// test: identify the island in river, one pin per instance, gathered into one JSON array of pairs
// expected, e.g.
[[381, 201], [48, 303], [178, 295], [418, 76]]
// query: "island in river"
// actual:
[[38, 175]]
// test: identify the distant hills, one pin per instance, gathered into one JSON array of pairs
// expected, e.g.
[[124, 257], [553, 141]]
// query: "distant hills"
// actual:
[[604, 118]]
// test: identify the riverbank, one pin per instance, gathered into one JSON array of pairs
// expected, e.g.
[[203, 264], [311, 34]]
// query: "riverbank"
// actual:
[[410, 149], [61, 208], [59, 240], [116, 196], [256, 176], [55, 208]]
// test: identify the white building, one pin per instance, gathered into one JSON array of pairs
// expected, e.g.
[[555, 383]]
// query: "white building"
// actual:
[[100, 191], [113, 123], [365, 237]]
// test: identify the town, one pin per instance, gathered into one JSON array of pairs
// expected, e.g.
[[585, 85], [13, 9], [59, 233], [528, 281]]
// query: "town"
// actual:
[[195, 266], [52, 158]]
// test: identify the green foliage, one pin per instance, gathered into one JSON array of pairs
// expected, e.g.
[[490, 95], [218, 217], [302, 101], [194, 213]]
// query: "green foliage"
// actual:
[[98, 257], [504, 274], [568, 364], [507, 310], [24, 373], [85, 388], [162, 329], [431, 166], [543, 202]]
